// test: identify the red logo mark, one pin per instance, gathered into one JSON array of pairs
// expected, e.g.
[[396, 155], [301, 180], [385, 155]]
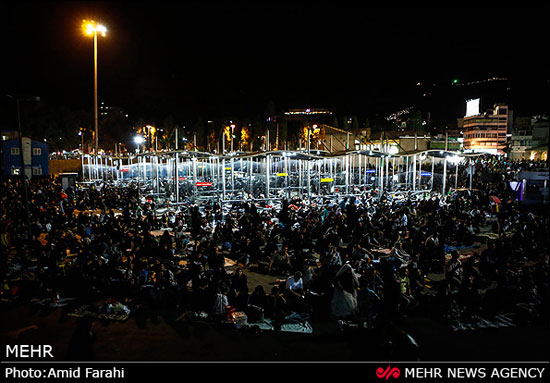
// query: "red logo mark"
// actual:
[[388, 372]]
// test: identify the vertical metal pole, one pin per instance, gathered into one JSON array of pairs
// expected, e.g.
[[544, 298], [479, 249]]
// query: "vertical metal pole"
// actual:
[[194, 177], [24, 173], [177, 173], [444, 176], [250, 177], [420, 173], [287, 170], [267, 175], [387, 173], [376, 175], [456, 176], [232, 175], [406, 169], [300, 177], [414, 173], [360, 175], [138, 171], [433, 169], [157, 170], [353, 169], [151, 173], [381, 176], [393, 174], [346, 171], [223, 178], [96, 124], [319, 176], [308, 179]]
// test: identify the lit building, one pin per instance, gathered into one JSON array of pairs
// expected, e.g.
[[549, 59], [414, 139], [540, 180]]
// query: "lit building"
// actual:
[[450, 142], [106, 111], [300, 120], [486, 133], [530, 138], [300, 113], [35, 157]]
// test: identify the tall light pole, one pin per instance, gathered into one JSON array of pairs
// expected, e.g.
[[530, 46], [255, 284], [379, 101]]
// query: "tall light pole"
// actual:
[[91, 28]]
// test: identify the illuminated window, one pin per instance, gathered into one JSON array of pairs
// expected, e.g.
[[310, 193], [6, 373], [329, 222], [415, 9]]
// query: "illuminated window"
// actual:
[[14, 151], [36, 151]]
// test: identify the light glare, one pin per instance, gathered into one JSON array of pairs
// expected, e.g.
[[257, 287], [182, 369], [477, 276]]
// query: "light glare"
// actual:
[[90, 27]]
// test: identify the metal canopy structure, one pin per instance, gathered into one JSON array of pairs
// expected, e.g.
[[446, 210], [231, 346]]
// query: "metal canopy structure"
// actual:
[[197, 176]]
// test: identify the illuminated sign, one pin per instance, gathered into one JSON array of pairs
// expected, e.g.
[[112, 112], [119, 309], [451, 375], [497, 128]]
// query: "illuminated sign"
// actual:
[[327, 179], [472, 107], [282, 174], [204, 183]]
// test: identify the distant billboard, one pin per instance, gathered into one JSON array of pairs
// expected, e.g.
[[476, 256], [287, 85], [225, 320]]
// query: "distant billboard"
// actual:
[[472, 107]]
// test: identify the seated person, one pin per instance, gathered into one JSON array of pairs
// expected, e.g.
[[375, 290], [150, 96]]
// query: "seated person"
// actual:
[[277, 308], [280, 263], [294, 291]]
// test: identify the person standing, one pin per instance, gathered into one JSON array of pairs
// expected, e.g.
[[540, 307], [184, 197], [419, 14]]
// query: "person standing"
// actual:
[[239, 289], [344, 300]]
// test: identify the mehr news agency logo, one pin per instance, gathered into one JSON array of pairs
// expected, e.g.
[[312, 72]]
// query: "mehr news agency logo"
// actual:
[[389, 372]]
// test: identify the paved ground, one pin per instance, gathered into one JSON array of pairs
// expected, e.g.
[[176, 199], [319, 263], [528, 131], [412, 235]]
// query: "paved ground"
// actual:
[[158, 336], [161, 338], [149, 336]]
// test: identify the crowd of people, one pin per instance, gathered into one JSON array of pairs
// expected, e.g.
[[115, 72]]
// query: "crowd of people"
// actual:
[[367, 259]]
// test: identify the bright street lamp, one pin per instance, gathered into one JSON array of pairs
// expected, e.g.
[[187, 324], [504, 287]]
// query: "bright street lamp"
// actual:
[[138, 140], [91, 28]]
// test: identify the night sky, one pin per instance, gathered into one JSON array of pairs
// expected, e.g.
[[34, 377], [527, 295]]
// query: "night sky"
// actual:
[[215, 60]]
